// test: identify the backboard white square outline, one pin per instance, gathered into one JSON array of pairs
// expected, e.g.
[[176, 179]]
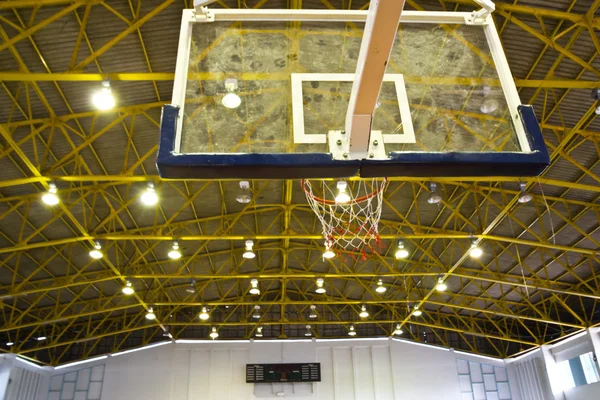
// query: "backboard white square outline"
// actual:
[[301, 136]]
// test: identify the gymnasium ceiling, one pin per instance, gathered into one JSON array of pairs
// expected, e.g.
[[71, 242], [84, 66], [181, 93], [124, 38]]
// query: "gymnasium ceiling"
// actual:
[[535, 283]]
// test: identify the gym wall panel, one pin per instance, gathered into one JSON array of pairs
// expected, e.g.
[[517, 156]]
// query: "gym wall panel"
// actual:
[[350, 370]]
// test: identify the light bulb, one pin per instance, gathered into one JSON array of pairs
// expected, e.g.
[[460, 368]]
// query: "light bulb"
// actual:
[[128, 289], [104, 99], [363, 312], [231, 100], [40, 338], [380, 288], [475, 251], [50, 197], [191, 289], [351, 331], [417, 312], [249, 253], [342, 196], [149, 197], [150, 315], [524, 196], [398, 330], [10, 344], [214, 334], [174, 253], [401, 252], [488, 106], [95, 253], [254, 289], [320, 286], [441, 286], [328, 253], [434, 197], [308, 332], [245, 195], [204, 314]]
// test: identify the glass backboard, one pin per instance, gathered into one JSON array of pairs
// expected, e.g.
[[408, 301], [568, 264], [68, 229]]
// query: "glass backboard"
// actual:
[[448, 105]]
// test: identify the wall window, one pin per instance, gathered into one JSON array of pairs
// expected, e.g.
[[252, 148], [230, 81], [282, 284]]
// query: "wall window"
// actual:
[[578, 371]]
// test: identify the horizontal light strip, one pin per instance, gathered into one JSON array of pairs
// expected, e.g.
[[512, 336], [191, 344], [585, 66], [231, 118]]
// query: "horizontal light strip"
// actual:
[[510, 360], [431, 346], [141, 348], [576, 336], [478, 356], [29, 363], [81, 362]]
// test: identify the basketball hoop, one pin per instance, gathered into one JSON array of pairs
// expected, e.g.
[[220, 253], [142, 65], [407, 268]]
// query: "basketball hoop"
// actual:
[[349, 212]]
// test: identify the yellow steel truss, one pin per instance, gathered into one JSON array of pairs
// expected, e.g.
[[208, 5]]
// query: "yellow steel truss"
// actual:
[[537, 286]]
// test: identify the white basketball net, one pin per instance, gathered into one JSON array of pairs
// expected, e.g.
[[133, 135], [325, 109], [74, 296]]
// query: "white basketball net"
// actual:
[[350, 223]]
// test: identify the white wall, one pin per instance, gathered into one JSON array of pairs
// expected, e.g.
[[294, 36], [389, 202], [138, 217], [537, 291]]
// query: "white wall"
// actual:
[[535, 377], [351, 370]]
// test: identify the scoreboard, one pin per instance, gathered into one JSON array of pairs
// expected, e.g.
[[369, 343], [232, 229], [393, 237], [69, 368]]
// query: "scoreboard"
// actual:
[[269, 373]]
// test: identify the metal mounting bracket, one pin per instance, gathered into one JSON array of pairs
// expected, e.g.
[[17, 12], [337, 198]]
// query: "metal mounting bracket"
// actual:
[[208, 14], [480, 17], [339, 146]]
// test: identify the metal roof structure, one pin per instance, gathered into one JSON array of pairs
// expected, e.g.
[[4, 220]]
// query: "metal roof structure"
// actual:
[[535, 283]]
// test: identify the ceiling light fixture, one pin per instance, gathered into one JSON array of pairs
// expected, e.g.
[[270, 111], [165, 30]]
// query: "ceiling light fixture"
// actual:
[[320, 286], [259, 332], [245, 195], [40, 338], [174, 253], [149, 197], [256, 314], [380, 288], [231, 99], [249, 253], [363, 312], [417, 312], [401, 252], [128, 289], [103, 99], [254, 287], [351, 331], [441, 285], [191, 289], [475, 251], [434, 197], [489, 104], [398, 330], [204, 314], [308, 332], [150, 315], [10, 344], [524, 196], [342, 195], [50, 197], [96, 252], [214, 334], [328, 253], [313, 312]]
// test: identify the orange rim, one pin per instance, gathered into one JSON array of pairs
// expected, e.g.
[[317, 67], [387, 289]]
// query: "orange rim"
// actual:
[[354, 201]]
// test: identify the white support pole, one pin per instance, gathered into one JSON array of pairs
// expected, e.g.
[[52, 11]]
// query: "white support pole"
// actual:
[[378, 39]]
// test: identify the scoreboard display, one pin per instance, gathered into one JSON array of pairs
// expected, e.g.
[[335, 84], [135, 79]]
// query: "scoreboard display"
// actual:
[[270, 373]]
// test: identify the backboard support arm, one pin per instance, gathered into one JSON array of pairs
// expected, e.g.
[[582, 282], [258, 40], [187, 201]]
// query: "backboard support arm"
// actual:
[[377, 43]]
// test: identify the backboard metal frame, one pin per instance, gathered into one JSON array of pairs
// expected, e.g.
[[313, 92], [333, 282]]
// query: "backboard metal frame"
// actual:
[[532, 160]]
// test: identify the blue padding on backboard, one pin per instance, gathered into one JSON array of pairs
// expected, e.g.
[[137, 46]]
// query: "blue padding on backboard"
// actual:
[[247, 166], [320, 165]]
